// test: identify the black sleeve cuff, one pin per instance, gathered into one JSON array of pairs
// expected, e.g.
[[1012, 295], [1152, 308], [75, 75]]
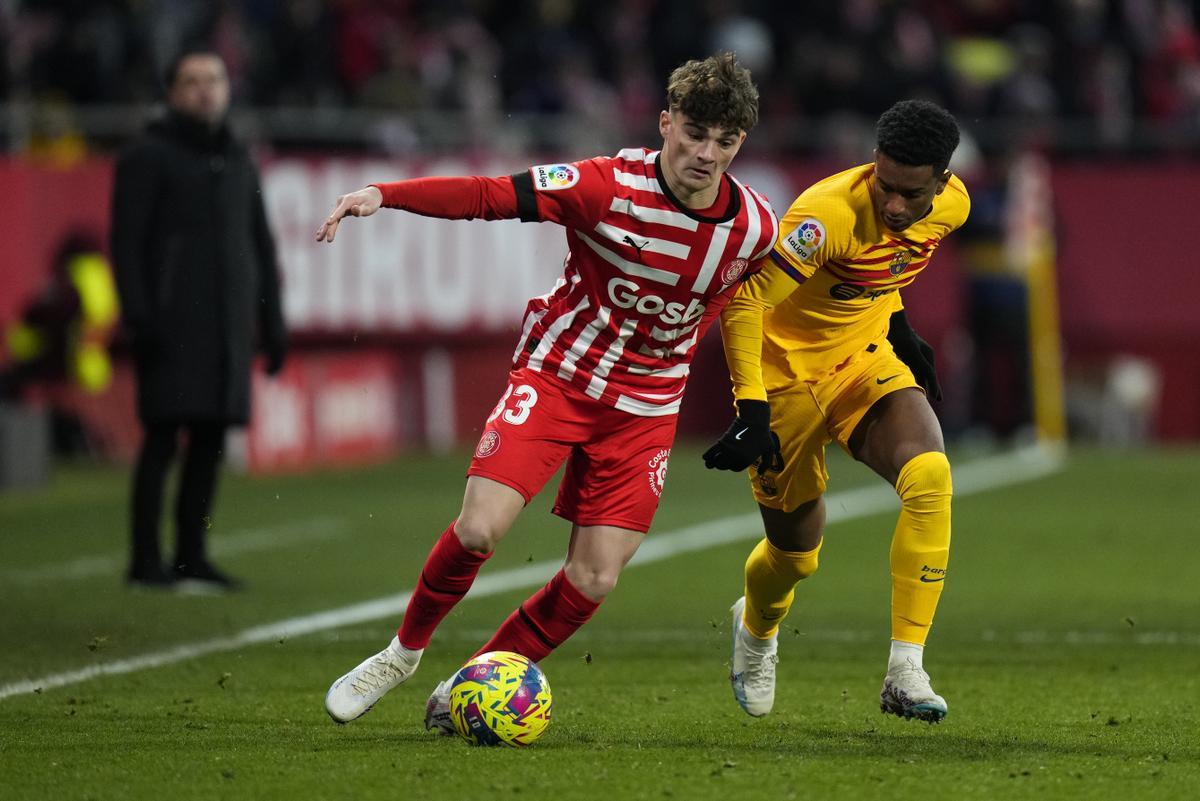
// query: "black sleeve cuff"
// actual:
[[527, 210]]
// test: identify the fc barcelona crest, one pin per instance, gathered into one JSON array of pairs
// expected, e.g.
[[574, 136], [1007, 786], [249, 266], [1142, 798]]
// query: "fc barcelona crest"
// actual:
[[900, 262]]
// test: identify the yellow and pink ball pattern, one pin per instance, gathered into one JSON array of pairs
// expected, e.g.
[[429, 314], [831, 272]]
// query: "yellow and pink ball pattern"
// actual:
[[500, 698]]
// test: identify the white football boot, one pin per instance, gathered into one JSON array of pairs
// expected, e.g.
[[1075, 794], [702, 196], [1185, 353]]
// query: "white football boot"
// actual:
[[354, 694], [907, 693], [752, 669], [437, 709]]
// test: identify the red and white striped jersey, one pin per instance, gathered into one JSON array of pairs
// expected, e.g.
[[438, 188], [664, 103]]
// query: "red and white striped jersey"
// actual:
[[644, 278]]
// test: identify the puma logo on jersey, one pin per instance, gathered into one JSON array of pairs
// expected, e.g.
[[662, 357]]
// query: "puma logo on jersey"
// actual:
[[630, 241]]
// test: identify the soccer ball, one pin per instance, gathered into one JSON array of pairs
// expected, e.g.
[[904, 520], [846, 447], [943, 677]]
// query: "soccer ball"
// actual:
[[500, 698]]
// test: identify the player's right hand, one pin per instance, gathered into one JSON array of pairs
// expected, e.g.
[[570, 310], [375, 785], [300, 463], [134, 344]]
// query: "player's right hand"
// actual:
[[362, 203], [749, 441]]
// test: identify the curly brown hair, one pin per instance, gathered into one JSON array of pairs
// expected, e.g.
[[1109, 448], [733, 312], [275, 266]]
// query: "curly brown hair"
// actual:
[[715, 92]]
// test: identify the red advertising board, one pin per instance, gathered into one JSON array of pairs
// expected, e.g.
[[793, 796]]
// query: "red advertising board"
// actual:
[[325, 410]]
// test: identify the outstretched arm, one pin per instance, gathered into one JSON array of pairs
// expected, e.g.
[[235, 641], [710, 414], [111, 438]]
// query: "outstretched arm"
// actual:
[[450, 198], [581, 202]]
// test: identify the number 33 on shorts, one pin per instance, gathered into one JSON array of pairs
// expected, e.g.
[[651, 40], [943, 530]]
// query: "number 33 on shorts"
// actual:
[[516, 405]]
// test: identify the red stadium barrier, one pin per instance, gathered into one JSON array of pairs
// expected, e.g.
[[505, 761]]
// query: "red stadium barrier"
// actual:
[[326, 410]]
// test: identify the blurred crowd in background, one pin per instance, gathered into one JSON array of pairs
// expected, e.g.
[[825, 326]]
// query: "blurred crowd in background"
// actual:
[[1074, 75]]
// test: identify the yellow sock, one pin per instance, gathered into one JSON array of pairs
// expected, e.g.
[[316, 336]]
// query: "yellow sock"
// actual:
[[771, 578], [920, 545]]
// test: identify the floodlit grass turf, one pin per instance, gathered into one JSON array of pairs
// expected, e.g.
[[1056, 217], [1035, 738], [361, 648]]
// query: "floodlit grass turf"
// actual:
[[1067, 645]]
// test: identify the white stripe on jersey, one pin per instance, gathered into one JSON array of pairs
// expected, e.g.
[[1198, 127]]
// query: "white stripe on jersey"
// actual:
[[643, 409], [752, 224], [559, 284], [672, 334], [582, 343], [556, 328], [637, 154], [530, 321], [596, 387], [637, 181], [686, 345], [660, 395], [716, 247], [663, 246], [675, 219], [680, 349], [629, 267], [770, 243], [681, 370]]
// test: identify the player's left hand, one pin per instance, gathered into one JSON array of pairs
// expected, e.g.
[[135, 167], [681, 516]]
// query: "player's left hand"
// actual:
[[916, 353], [362, 203], [748, 441]]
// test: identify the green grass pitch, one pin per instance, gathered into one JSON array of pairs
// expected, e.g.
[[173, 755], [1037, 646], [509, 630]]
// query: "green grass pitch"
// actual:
[[1067, 645]]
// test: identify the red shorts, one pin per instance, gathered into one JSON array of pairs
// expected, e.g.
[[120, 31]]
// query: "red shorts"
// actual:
[[616, 461]]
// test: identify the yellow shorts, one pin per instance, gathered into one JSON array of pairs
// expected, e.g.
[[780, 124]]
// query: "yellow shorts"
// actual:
[[808, 416]]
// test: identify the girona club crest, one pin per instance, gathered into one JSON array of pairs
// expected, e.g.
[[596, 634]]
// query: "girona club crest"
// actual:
[[733, 271], [658, 471], [489, 443]]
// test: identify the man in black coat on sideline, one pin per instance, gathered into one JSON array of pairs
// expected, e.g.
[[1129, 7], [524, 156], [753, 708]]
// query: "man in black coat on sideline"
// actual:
[[196, 273]]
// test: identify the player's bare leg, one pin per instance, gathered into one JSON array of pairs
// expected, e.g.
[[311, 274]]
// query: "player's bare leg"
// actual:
[[901, 440], [488, 512], [596, 556], [787, 555]]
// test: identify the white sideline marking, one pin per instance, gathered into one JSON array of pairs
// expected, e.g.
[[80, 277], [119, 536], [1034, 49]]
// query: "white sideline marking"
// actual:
[[238, 541], [977, 476]]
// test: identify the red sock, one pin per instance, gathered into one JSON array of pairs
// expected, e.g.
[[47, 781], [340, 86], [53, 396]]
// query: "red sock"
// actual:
[[544, 621], [448, 573]]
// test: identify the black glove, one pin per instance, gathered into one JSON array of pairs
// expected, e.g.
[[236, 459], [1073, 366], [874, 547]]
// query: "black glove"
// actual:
[[275, 349], [915, 352], [749, 441]]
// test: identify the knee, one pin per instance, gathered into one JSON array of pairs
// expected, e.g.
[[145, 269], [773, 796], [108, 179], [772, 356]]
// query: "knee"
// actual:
[[806, 563], [593, 581], [477, 533], [768, 562], [925, 477]]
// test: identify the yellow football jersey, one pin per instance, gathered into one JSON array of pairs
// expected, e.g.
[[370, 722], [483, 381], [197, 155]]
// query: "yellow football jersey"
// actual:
[[831, 283]]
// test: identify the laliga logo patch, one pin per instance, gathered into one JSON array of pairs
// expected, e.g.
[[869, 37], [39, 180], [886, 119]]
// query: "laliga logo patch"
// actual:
[[489, 443], [899, 262], [658, 471], [733, 271], [806, 239], [548, 177]]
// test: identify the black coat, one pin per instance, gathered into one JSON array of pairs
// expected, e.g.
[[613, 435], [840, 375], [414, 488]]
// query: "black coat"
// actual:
[[195, 268]]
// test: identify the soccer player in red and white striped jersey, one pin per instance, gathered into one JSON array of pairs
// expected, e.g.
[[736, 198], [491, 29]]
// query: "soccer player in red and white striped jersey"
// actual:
[[658, 242]]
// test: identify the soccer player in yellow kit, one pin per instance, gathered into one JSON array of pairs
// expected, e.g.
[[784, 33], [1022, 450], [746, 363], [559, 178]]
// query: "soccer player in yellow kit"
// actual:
[[819, 350]]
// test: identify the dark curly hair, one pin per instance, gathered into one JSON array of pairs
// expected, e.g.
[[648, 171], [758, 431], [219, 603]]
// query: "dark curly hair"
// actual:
[[916, 133], [715, 92]]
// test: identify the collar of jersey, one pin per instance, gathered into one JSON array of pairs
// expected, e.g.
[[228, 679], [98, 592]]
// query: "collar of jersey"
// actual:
[[731, 209]]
